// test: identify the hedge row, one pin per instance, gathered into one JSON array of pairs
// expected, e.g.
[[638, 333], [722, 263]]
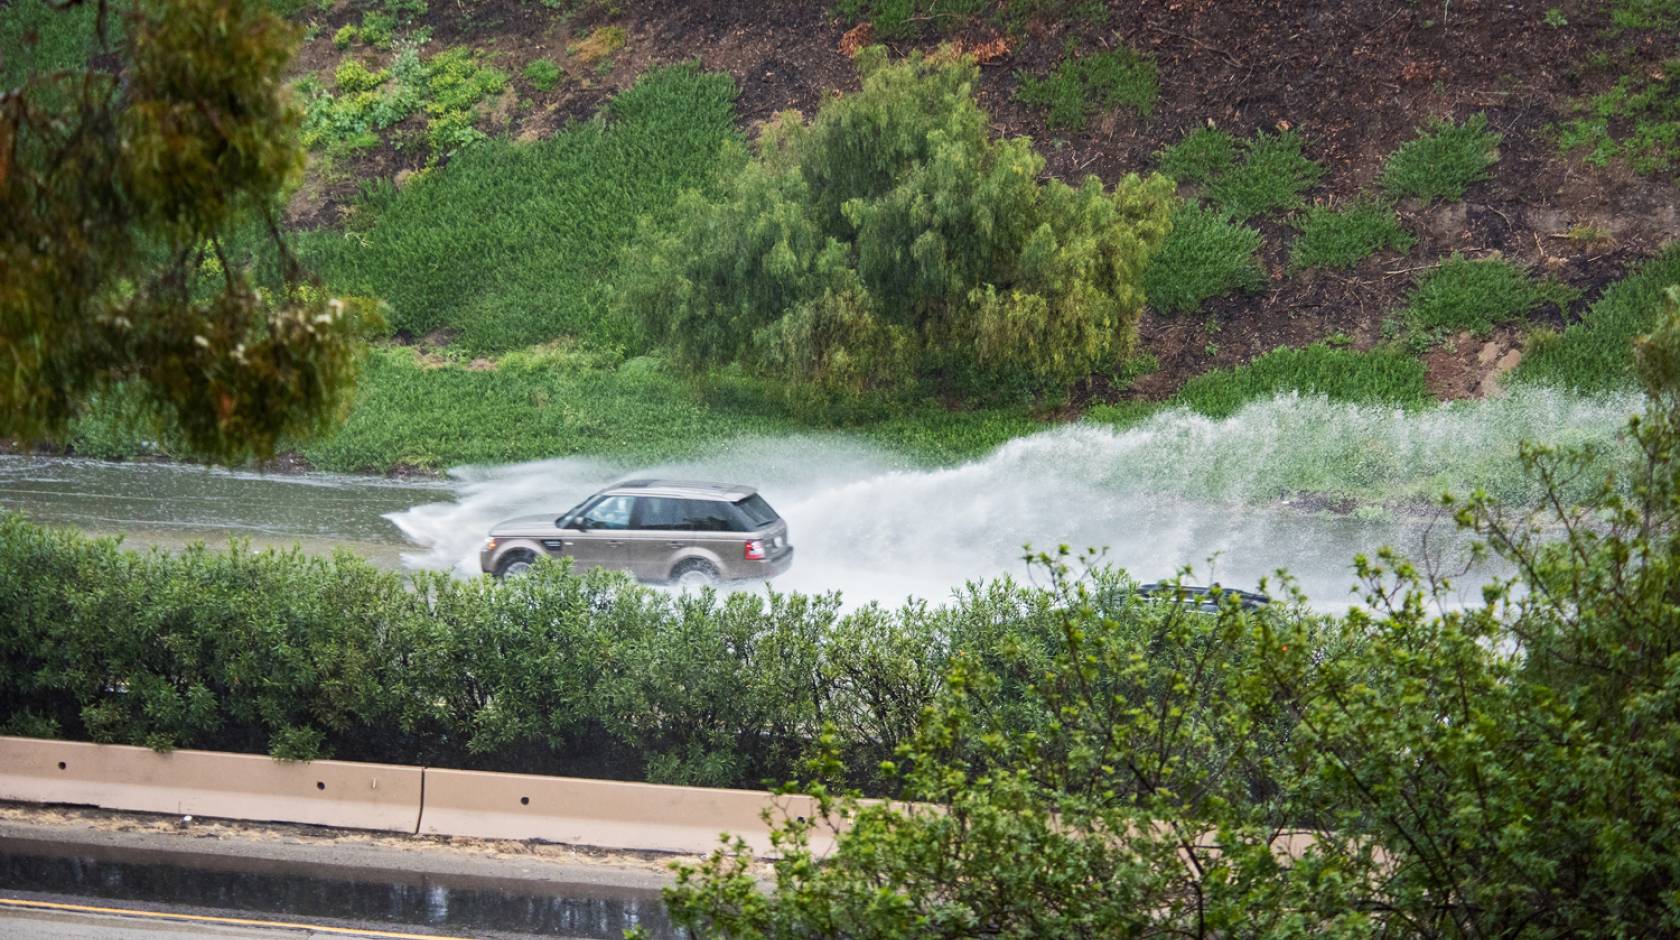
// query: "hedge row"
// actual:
[[302, 656]]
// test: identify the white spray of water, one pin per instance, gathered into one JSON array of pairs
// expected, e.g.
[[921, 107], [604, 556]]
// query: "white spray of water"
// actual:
[[1177, 490]]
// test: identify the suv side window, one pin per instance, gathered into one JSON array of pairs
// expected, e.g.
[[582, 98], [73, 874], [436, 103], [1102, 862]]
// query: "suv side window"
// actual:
[[659, 512], [610, 512], [709, 515]]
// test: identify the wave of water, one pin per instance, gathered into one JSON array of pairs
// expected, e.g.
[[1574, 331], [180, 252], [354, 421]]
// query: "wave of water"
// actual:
[[1179, 489]]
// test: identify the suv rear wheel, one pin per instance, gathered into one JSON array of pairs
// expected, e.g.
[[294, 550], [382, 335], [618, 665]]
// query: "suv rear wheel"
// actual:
[[694, 573]]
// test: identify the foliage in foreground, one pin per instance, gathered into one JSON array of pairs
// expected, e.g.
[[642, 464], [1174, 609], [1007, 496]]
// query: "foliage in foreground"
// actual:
[[119, 190], [1511, 769], [302, 656], [893, 240]]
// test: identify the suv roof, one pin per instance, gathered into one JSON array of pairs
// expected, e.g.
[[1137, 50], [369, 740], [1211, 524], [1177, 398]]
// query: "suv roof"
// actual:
[[682, 489]]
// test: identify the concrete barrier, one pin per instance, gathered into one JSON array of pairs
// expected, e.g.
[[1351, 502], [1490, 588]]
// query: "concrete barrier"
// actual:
[[201, 783], [602, 813]]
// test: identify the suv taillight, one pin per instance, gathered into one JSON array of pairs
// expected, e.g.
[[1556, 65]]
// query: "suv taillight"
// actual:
[[754, 550]]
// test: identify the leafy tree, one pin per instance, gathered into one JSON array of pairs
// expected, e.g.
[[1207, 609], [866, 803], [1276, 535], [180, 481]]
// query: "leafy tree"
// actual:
[[120, 190], [1511, 769], [892, 239]]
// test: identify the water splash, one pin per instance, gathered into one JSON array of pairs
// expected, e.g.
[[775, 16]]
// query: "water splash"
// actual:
[[1176, 490]]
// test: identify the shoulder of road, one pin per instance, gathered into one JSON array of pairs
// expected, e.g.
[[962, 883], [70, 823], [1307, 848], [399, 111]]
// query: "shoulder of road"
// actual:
[[209, 840]]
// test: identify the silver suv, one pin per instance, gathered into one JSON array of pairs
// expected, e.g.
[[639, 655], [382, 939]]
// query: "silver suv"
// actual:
[[658, 530]]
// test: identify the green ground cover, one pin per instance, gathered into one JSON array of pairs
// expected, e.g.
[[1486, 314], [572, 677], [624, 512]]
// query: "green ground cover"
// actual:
[[1206, 255], [1461, 294], [1082, 86], [1342, 237], [1265, 174], [35, 37], [1443, 161], [1378, 376], [433, 414], [1593, 355], [514, 244]]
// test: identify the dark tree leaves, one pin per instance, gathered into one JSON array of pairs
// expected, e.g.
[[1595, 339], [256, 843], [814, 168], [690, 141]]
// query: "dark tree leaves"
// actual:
[[122, 190]]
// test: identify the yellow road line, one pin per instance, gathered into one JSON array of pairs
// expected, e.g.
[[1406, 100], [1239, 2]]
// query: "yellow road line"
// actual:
[[225, 921]]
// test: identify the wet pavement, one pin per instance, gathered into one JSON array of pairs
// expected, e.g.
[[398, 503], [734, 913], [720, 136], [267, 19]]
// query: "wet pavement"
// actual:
[[323, 895]]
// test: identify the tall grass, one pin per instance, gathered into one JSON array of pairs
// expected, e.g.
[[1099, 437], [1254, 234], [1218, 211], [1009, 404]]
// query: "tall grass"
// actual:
[[512, 244]]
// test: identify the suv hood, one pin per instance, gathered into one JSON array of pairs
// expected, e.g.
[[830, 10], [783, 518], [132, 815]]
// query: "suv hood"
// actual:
[[541, 523]]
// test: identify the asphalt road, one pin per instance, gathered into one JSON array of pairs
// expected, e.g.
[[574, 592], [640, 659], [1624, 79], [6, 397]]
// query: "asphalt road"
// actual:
[[55, 921]]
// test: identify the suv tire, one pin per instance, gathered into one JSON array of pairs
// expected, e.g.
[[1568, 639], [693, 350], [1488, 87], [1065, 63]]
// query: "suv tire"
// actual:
[[694, 573], [515, 564]]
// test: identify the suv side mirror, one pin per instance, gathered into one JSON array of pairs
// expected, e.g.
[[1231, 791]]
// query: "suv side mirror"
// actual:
[[580, 523]]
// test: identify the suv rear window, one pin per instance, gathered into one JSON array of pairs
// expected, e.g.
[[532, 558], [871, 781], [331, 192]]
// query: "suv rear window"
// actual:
[[685, 515], [757, 511]]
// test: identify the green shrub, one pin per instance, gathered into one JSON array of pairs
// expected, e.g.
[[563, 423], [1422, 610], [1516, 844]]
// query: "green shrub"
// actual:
[[542, 74], [1203, 154], [1441, 163], [306, 657], [447, 87], [1206, 255], [1379, 376], [1081, 86], [1460, 294], [1592, 356], [515, 244], [893, 240], [1341, 238]]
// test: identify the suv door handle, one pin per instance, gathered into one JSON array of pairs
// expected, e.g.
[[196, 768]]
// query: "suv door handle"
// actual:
[[674, 543]]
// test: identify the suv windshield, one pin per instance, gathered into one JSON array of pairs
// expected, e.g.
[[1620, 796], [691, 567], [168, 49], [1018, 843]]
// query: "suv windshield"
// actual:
[[757, 511]]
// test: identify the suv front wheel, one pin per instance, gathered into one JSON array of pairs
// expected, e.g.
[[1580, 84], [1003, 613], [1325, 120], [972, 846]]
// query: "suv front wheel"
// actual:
[[515, 564]]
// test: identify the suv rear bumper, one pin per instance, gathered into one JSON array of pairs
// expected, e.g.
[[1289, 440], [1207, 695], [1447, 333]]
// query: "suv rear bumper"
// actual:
[[763, 570]]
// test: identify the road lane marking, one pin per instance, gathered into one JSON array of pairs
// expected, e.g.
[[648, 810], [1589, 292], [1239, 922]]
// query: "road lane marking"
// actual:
[[19, 903]]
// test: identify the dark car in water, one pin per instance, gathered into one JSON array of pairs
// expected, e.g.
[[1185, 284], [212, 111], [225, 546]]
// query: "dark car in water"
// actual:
[[674, 531]]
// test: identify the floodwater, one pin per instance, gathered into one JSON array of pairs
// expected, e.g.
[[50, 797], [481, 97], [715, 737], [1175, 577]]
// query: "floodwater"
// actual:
[[172, 505], [347, 896], [1221, 497]]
